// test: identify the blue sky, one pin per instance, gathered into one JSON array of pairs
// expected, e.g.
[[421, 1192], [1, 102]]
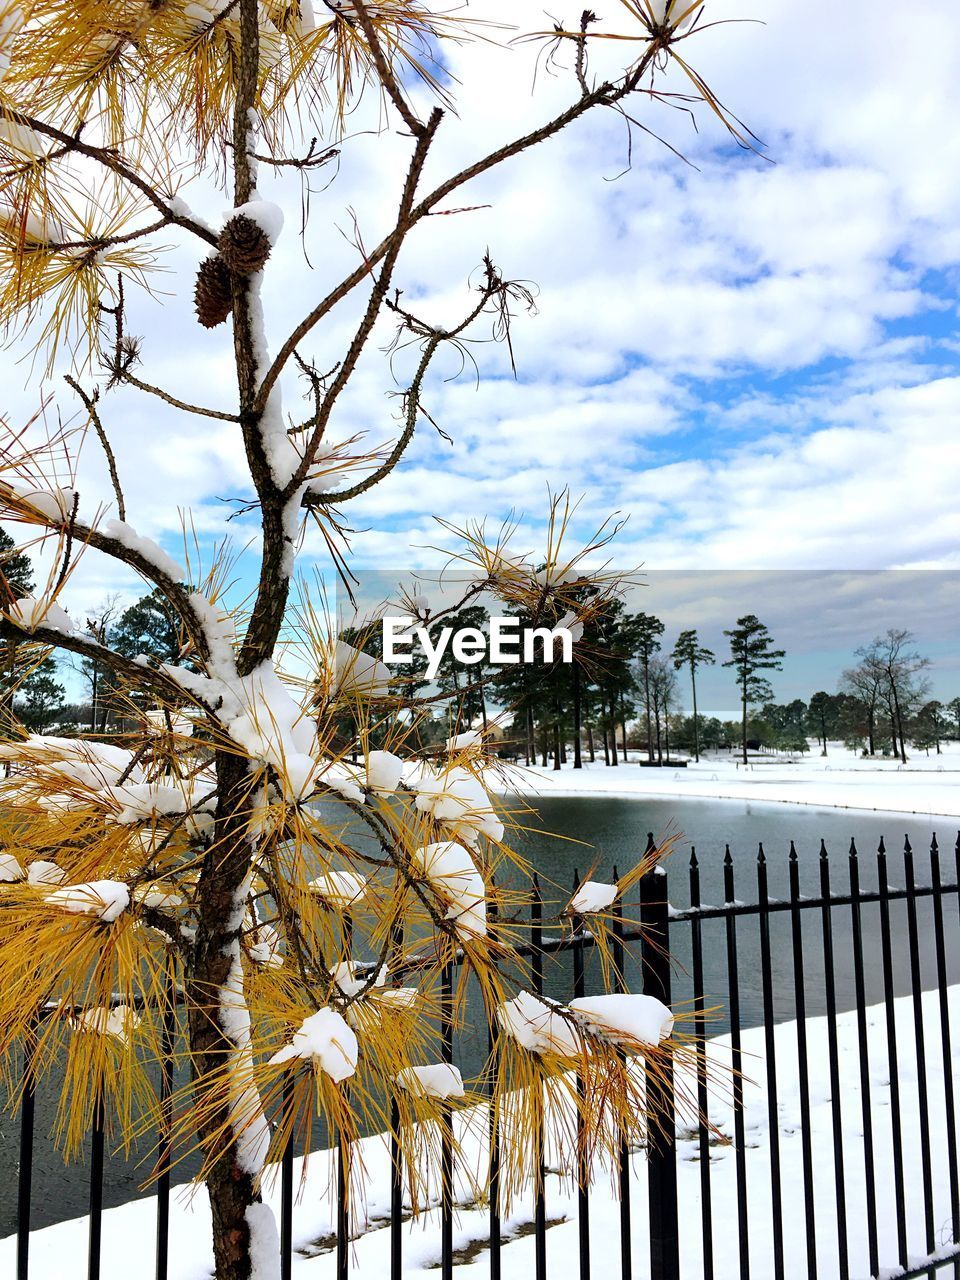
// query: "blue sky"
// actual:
[[756, 361]]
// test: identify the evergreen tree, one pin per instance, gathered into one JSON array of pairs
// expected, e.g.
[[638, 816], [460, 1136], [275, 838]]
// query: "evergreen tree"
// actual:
[[928, 726], [38, 701], [751, 653], [151, 627], [29, 690], [689, 652], [825, 716], [16, 581], [644, 632], [118, 116]]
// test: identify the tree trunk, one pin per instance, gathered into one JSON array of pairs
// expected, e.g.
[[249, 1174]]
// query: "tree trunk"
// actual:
[[696, 723], [744, 695], [556, 746], [646, 696], [623, 727], [823, 730], [577, 711], [896, 724], [590, 745], [613, 733], [606, 747], [656, 712], [230, 1186], [899, 723]]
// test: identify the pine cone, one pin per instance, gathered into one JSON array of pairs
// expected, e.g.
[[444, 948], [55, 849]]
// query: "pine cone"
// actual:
[[212, 296], [244, 245]]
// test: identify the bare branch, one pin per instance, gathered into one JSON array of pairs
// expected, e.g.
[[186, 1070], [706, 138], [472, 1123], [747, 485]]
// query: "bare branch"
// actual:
[[68, 545], [377, 296], [91, 406], [433, 340], [198, 409], [606, 94], [126, 353], [312, 160]]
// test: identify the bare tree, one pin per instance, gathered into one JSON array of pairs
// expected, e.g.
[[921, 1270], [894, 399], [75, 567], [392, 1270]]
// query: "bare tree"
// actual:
[[192, 856], [893, 667], [863, 683], [91, 671], [661, 677]]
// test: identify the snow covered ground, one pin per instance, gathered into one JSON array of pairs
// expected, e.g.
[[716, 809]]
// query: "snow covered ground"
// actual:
[[128, 1231], [924, 785]]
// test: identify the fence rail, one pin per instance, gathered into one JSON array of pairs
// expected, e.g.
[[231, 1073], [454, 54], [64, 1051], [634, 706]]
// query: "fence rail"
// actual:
[[700, 952]]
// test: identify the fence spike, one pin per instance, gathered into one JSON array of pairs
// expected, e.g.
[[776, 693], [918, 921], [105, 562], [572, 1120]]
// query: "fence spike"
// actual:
[[934, 847], [881, 849], [729, 894], [793, 852], [761, 856], [727, 858], [693, 856], [853, 848], [907, 849], [823, 849], [616, 873]]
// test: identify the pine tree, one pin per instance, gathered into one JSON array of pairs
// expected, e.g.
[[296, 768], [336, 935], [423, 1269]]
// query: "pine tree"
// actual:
[[644, 633], [751, 653], [689, 652], [28, 685], [194, 855]]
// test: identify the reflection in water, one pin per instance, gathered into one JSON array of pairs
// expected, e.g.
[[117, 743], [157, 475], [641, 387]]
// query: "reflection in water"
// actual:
[[601, 832]]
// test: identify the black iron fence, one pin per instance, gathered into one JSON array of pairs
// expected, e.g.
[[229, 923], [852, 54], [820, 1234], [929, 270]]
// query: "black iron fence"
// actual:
[[847, 953]]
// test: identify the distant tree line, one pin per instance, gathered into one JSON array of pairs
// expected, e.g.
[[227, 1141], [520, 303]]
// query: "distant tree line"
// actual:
[[622, 691]]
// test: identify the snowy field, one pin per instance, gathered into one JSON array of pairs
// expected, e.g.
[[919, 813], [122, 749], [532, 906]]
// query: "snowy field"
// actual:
[[842, 780], [128, 1231]]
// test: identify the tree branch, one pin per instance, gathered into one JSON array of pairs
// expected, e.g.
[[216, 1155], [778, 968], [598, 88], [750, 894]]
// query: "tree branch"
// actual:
[[179, 598], [385, 71], [109, 158], [606, 94], [198, 409], [412, 410], [375, 302], [137, 673], [91, 405]]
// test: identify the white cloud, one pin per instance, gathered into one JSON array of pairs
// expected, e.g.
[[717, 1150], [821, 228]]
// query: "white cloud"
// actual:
[[673, 303]]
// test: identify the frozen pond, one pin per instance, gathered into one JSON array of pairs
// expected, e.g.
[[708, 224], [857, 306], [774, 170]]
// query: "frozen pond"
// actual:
[[601, 832]]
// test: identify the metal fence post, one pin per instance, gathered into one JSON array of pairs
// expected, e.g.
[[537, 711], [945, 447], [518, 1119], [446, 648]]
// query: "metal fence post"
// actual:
[[25, 1179], [661, 1139]]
